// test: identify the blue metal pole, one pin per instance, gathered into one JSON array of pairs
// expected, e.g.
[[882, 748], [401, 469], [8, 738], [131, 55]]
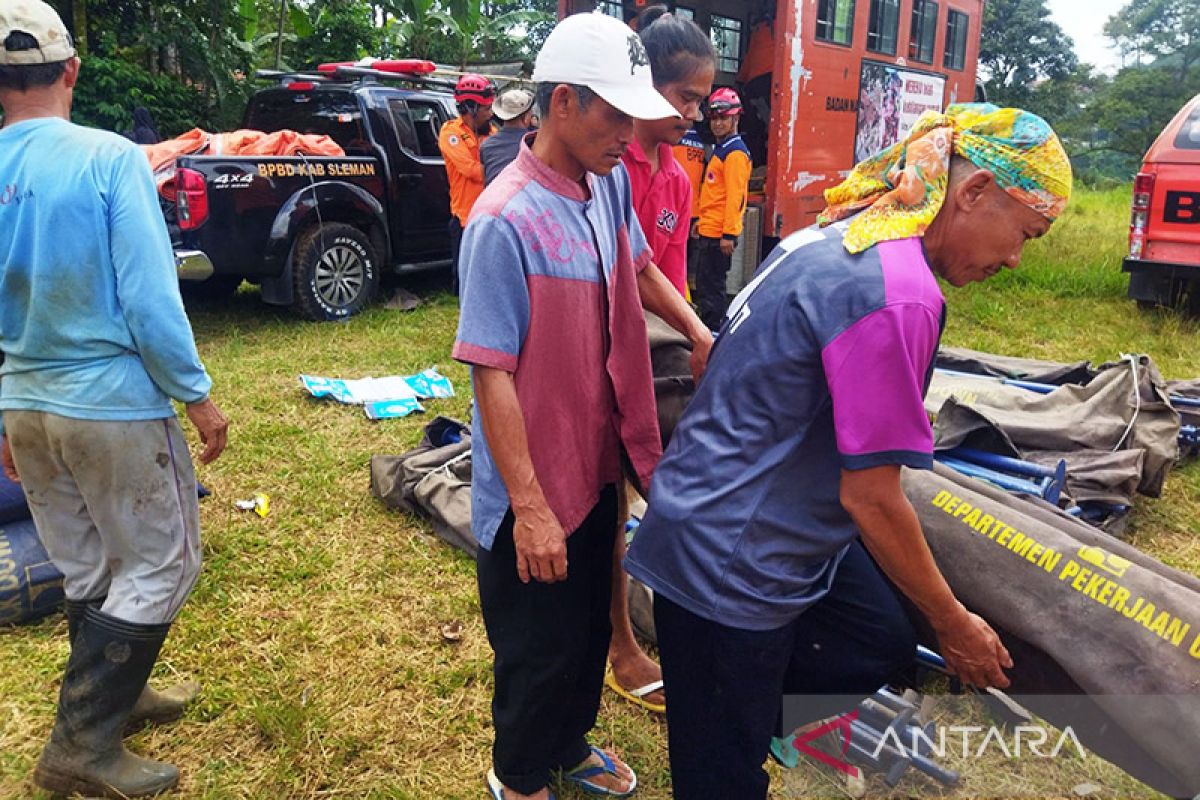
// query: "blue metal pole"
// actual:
[[928, 658], [1040, 388], [1053, 478], [1002, 463], [1006, 482]]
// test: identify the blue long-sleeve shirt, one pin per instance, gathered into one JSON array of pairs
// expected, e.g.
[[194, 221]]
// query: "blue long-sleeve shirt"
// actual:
[[91, 322]]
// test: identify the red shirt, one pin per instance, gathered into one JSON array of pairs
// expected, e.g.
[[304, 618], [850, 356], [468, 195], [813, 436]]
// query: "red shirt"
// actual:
[[663, 204]]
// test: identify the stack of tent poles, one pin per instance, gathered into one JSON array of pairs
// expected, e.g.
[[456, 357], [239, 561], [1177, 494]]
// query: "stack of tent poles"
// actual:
[[889, 736]]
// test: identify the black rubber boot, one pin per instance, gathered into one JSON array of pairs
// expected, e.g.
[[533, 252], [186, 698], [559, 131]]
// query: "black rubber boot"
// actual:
[[110, 661], [152, 706]]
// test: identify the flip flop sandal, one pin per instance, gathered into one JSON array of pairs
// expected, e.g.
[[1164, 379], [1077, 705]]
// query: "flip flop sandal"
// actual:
[[496, 788], [636, 696], [581, 776]]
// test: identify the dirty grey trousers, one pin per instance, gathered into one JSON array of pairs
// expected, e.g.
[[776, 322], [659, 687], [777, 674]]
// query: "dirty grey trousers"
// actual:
[[115, 505]]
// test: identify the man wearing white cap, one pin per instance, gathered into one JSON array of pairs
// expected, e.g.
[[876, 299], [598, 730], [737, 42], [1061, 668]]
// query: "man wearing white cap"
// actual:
[[556, 272], [96, 345], [514, 108]]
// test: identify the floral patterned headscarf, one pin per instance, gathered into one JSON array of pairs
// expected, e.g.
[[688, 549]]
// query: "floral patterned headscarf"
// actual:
[[901, 189]]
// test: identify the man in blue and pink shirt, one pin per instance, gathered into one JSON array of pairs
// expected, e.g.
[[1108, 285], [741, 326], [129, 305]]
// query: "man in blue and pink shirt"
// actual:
[[778, 501], [556, 272]]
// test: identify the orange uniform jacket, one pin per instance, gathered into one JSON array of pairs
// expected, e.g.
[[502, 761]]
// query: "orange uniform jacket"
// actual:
[[460, 148], [723, 195], [689, 154]]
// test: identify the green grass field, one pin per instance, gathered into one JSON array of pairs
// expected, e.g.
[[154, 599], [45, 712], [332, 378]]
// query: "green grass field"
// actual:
[[316, 631]]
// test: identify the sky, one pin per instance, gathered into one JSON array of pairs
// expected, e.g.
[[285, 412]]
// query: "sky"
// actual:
[[1083, 21]]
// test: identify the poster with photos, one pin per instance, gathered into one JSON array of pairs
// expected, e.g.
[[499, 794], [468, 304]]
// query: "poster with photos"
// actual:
[[890, 99]]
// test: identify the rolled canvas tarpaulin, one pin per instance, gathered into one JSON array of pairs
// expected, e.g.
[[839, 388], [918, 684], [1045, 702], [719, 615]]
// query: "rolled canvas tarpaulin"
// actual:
[[1086, 613], [1123, 408], [1025, 369], [433, 480], [670, 355]]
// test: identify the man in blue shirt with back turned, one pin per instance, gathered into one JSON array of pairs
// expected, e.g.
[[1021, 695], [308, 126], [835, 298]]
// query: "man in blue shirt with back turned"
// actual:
[[96, 345]]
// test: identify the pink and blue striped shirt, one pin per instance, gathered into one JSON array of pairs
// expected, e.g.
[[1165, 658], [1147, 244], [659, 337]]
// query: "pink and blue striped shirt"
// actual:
[[549, 294]]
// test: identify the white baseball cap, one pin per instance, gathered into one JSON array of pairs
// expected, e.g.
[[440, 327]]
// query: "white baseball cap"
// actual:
[[40, 21], [605, 55]]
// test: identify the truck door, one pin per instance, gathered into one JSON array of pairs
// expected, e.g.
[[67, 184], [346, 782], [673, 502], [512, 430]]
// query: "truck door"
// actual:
[[420, 191]]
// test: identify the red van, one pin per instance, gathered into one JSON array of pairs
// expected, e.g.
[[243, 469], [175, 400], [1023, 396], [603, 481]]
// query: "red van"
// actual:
[[1164, 226]]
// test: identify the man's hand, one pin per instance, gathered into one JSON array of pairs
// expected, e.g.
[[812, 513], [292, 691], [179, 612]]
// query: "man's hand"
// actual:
[[695, 231], [212, 426], [701, 346], [541, 545], [892, 534], [6, 456], [661, 298], [727, 246], [973, 651]]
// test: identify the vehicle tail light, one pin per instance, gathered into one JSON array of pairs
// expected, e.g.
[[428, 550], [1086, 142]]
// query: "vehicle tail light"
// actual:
[[301, 86], [191, 199], [1139, 216]]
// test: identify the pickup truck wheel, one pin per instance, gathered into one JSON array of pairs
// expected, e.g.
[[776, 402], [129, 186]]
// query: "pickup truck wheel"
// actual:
[[334, 272]]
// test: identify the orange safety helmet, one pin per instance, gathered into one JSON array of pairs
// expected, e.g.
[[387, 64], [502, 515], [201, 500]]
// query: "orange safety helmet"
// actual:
[[724, 102], [475, 88]]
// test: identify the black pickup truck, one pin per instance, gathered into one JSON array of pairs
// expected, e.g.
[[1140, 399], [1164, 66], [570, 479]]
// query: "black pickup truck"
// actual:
[[317, 232]]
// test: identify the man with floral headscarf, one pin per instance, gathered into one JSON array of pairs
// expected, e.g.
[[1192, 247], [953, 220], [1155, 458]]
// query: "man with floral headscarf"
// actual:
[[778, 501]]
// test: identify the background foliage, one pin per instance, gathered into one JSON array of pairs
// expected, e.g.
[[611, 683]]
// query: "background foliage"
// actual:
[[1107, 121], [191, 62]]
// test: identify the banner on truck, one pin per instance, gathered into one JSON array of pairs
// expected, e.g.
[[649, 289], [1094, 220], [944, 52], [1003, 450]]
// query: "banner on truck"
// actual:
[[890, 99]]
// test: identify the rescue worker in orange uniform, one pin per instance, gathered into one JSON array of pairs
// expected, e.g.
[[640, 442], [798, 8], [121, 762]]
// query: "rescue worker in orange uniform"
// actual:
[[459, 142], [722, 204]]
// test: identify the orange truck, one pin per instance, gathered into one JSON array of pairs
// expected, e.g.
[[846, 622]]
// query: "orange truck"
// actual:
[[825, 83], [1164, 226]]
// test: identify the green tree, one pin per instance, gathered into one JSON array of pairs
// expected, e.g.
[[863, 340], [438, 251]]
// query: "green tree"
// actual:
[[1166, 30], [111, 87], [462, 31], [1021, 45], [266, 29], [343, 30], [480, 33], [414, 30], [1134, 107]]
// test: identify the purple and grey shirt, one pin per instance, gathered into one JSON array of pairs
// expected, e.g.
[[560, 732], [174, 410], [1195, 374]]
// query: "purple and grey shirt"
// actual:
[[821, 365], [549, 294]]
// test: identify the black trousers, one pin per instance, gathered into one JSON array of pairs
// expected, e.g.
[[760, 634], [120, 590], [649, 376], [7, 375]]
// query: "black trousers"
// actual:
[[712, 267], [551, 645], [725, 685], [456, 229], [693, 247]]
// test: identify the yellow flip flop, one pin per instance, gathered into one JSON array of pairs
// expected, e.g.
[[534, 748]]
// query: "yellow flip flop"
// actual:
[[636, 696]]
